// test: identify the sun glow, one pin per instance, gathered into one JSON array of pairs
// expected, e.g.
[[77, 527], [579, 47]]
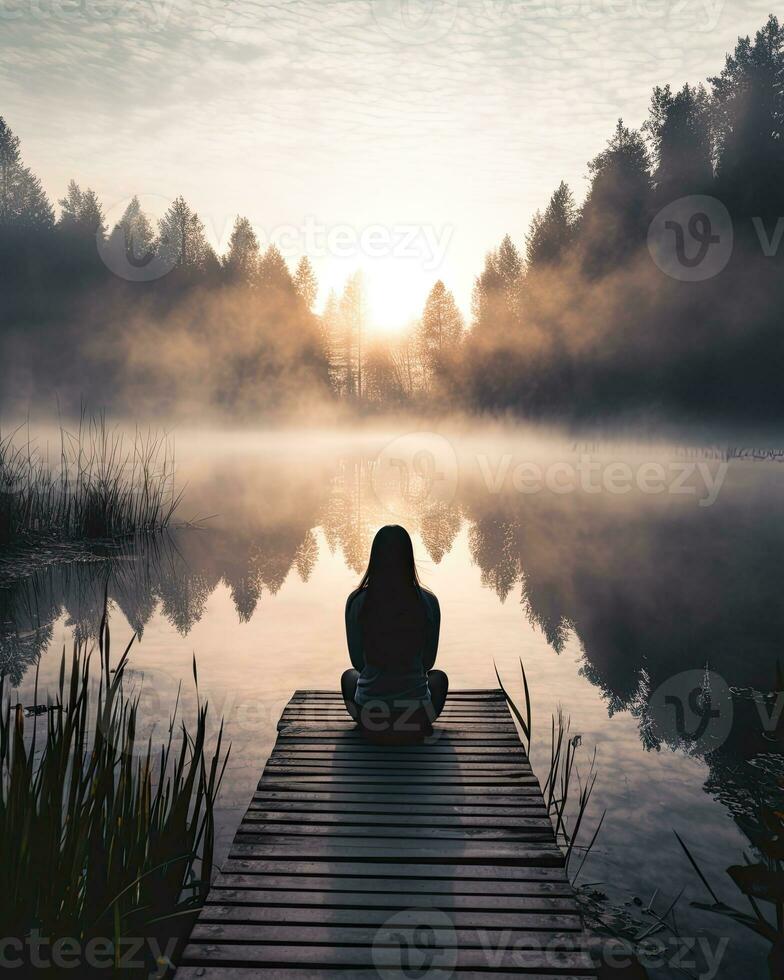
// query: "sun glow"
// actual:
[[395, 298], [394, 295]]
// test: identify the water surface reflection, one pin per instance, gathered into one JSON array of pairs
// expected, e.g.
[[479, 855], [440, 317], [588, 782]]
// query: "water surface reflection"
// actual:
[[612, 598]]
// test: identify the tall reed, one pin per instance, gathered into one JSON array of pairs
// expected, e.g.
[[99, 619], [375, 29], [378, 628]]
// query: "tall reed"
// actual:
[[563, 776], [102, 485], [103, 837]]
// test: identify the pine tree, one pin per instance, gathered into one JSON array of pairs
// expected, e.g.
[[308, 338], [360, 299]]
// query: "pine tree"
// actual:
[[352, 323], [134, 233], [510, 267], [330, 340], [441, 329], [10, 166], [305, 282], [35, 212], [81, 212], [680, 136], [241, 263], [23, 203], [617, 211], [274, 276], [181, 239], [488, 302], [552, 232], [748, 98], [495, 301]]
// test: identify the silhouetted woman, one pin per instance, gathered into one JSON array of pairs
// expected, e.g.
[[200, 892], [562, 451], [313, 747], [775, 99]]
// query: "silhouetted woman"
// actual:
[[392, 627]]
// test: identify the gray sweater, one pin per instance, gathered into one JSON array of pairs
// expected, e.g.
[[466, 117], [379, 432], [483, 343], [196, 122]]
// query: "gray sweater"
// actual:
[[388, 686]]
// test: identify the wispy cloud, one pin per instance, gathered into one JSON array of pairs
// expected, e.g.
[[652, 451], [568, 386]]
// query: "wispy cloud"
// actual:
[[459, 111]]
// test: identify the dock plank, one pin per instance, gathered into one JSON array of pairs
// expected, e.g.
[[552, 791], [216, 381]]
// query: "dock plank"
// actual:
[[431, 886], [278, 973], [314, 958], [355, 859]]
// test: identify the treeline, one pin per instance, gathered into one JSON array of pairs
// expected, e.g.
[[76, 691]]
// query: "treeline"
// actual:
[[413, 368], [580, 318], [621, 304], [143, 317]]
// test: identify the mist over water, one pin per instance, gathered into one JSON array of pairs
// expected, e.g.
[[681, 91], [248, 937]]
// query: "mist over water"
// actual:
[[615, 569]]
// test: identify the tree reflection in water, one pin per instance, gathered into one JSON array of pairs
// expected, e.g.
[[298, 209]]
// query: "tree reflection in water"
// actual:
[[650, 585]]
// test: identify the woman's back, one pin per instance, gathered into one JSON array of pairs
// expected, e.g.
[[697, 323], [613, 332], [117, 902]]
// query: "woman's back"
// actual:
[[392, 627], [392, 643]]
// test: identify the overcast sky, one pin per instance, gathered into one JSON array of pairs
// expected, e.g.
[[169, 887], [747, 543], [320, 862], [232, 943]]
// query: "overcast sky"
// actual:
[[403, 136]]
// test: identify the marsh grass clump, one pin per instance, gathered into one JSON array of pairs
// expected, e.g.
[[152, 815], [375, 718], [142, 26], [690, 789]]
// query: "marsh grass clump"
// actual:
[[103, 484], [105, 838], [566, 793], [612, 932]]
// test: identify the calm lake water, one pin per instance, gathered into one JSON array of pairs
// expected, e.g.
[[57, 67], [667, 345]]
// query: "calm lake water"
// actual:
[[630, 578]]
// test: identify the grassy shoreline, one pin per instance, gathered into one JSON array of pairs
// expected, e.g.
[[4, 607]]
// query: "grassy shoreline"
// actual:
[[103, 485], [112, 837]]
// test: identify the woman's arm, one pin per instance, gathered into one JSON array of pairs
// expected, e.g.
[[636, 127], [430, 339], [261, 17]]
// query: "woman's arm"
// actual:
[[354, 631], [433, 629]]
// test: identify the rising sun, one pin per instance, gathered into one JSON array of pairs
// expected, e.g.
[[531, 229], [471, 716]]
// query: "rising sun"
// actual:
[[395, 298]]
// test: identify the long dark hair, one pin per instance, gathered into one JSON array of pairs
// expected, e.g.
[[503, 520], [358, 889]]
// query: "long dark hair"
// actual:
[[393, 613]]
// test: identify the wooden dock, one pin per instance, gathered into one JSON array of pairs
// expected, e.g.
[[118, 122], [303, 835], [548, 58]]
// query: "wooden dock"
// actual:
[[357, 860]]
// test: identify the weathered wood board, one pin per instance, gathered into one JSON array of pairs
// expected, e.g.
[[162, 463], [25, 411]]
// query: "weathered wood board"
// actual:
[[357, 860]]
